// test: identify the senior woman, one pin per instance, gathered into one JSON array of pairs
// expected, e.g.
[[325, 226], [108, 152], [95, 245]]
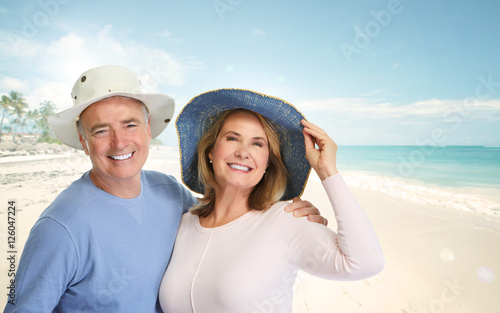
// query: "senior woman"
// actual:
[[238, 250]]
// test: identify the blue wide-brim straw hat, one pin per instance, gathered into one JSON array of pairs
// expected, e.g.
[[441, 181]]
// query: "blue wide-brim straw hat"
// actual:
[[202, 111]]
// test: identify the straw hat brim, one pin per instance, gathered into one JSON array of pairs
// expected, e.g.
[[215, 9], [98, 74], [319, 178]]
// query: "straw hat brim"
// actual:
[[202, 111]]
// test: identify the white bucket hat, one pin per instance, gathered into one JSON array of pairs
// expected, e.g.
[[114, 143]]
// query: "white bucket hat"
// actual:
[[103, 82]]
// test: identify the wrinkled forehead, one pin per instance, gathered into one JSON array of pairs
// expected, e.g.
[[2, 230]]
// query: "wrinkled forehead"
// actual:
[[105, 110], [116, 100], [113, 103]]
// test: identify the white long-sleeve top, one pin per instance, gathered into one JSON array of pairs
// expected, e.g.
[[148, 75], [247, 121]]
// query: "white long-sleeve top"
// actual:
[[250, 264]]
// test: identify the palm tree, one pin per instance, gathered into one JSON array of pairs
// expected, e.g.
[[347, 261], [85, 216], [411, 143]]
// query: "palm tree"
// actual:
[[18, 106], [23, 122], [16, 121], [5, 104], [47, 108], [33, 115]]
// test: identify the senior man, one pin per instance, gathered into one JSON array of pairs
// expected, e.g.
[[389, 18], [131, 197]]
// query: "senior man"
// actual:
[[105, 242]]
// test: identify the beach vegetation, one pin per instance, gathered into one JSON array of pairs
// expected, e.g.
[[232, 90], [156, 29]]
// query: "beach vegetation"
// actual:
[[156, 142], [20, 125]]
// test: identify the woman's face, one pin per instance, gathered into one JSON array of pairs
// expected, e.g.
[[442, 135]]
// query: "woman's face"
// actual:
[[241, 152]]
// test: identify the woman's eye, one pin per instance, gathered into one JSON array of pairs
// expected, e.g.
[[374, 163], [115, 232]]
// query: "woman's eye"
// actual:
[[231, 138], [258, 144]]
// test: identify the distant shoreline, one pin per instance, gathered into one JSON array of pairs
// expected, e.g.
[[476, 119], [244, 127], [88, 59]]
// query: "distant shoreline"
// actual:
[[480, 202], [24, 156]]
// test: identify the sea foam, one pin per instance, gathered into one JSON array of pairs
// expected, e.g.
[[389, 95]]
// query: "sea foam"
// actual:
[[458, 199]]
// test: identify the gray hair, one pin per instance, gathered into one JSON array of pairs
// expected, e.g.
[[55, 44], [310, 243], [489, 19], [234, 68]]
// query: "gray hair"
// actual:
[[147, 115]]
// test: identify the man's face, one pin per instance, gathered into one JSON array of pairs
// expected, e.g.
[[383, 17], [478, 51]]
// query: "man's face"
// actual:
[[117, 138]]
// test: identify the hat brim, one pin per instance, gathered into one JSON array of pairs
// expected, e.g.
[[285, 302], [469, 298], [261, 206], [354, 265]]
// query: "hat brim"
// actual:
[[202, 111], [161, 108]]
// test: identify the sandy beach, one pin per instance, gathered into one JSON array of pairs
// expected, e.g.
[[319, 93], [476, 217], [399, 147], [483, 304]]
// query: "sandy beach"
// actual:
[[437, 259]]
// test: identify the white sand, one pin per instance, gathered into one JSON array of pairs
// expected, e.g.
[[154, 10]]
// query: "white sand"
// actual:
[[437, 260]]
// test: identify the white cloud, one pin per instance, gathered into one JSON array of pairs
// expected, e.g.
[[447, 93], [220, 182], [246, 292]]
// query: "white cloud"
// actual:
[[11, 83], [365, 121], [57, 92], [74, 53], [71, 43], [433, 108], [165, 33], [17, 46], [57, 64], [105, 36], [412, 123], [257, 32]]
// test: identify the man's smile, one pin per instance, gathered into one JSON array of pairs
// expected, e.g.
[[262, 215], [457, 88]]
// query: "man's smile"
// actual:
[[121, 157]]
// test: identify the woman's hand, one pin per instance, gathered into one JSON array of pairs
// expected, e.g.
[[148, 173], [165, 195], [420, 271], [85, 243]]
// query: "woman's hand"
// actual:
[[323, 159], [302, 208]]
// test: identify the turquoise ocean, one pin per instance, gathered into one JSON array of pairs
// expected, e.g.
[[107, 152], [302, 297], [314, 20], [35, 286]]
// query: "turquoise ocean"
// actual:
[[457, 177]]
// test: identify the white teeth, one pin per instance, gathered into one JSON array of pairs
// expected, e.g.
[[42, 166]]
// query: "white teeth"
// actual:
[[239, 167], [121, 157]]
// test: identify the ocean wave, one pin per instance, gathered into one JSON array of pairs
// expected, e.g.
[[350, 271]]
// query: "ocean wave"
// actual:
[[400, 188]]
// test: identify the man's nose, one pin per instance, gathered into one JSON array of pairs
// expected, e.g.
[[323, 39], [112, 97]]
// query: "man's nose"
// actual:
[[119, 140]]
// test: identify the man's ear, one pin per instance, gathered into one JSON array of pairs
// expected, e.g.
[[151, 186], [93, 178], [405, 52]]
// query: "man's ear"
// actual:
[[84, 144], [148, 129]]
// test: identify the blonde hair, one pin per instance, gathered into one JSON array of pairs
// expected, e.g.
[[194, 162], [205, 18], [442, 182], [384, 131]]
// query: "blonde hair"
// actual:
[[271, 187]]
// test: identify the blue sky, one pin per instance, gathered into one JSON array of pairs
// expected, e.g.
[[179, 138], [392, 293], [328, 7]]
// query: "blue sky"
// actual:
[[369, 72]]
